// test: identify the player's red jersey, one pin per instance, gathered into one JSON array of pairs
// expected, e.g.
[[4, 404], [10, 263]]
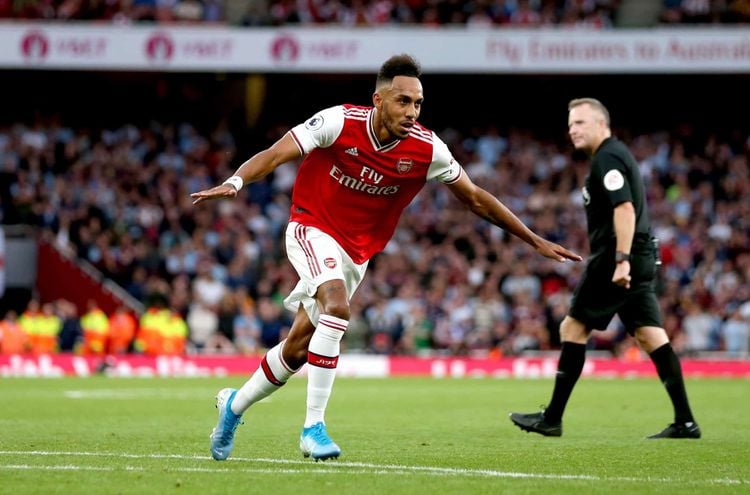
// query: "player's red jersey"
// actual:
[[355, 189]]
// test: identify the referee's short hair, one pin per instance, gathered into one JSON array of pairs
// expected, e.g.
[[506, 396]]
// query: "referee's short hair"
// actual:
[[594, 103]]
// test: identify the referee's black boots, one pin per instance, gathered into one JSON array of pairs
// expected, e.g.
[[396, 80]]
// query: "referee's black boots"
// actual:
[[536, 422], [680, 430]]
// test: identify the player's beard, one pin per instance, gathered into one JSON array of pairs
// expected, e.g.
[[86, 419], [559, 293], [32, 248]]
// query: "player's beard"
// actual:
[[392, 123], [395, 129]]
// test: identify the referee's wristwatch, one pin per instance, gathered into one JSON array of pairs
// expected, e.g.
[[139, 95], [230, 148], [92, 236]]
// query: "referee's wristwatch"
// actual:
[[620, 257]]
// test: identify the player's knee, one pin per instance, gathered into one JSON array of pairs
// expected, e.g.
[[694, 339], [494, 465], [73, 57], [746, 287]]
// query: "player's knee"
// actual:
[[339, 309], [333, 300]]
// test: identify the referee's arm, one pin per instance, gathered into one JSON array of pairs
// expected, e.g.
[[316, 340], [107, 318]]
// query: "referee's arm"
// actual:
[[624, 223]]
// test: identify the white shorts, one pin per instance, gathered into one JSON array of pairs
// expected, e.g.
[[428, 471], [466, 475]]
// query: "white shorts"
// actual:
[[318, 258]]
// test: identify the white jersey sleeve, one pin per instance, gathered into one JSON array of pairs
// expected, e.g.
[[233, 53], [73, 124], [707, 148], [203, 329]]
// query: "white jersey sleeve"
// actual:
[[444, 167], [320, 130]]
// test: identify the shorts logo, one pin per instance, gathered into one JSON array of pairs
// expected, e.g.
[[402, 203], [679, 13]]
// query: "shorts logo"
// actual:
[[613, 180], [586, 196], [314, 123], [330, 263], [404, 165]]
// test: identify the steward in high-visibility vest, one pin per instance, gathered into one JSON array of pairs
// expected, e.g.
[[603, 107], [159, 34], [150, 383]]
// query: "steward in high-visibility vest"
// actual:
[[150, 330], [29, 320], [48, 328], [13, 338], [122, 326], [174, 335], [95, 326]]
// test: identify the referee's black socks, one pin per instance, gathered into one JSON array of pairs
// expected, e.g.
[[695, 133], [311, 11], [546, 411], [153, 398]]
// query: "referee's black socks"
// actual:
[[668, 367], [569, 367]]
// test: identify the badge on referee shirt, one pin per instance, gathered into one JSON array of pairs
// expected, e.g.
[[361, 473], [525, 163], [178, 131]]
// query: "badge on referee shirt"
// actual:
[[613, 180]]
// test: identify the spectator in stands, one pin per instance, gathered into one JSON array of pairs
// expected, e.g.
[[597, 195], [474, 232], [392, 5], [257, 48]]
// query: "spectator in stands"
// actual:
[[701, 328], [202, 323], [735, 333], [71, 334], [227, 313], [207, 289], [247, 329], [273, 327]]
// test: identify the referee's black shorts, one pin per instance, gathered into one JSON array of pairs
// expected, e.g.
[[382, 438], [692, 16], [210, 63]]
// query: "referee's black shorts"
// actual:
[[596, 299]]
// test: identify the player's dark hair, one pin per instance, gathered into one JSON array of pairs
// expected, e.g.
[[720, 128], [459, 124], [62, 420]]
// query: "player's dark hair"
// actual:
[[398, 65]]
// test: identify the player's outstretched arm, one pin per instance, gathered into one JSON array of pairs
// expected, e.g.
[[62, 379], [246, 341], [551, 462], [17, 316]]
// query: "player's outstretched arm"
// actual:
[[254, 169], [490, 208]]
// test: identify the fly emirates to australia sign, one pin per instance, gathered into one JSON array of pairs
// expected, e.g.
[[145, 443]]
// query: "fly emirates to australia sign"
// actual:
[[658, 53], [178, 48]]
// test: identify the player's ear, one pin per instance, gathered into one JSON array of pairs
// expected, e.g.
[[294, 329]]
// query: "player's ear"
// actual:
[[377, 100]]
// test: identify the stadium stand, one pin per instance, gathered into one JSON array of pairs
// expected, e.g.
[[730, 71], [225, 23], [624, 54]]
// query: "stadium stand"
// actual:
[[119, 198], [705, 12], [476, 13], [116, 194]]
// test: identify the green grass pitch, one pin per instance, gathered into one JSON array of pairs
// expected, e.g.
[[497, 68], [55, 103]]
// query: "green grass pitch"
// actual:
[[398, 436]]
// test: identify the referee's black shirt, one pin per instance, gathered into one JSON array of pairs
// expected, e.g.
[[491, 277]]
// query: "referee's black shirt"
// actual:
[[613, 179]]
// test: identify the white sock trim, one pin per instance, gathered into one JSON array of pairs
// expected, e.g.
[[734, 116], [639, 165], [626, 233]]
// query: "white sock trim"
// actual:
[[333, 322]]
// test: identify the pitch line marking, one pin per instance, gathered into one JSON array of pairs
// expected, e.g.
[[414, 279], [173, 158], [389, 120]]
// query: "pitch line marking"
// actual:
[[311, 470], [335, 468]]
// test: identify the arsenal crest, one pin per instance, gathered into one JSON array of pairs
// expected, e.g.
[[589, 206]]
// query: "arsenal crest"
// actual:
[[404, 165]]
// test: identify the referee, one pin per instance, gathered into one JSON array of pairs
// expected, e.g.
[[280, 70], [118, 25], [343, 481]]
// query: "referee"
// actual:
[[619, 276]]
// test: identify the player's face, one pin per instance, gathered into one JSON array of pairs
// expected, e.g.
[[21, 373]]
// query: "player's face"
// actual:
[[586, 127], [399, 105]]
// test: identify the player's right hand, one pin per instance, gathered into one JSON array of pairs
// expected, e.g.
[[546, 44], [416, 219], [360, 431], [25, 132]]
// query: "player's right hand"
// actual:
[[556, 251], [222, 191]]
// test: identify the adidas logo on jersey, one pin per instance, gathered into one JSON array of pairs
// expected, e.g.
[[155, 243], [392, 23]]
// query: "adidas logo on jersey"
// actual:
[[352, 151]]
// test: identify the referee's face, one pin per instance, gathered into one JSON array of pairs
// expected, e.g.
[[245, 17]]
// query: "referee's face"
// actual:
[[587, 127]]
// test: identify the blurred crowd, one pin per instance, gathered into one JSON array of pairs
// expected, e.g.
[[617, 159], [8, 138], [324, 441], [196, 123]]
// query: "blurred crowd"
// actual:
[[705, 12], [528, 13], [597, 14], [447, 283]]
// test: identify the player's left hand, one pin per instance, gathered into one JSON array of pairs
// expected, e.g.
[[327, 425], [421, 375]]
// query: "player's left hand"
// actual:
[[556, 252], [222, 191], [621, 276]]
